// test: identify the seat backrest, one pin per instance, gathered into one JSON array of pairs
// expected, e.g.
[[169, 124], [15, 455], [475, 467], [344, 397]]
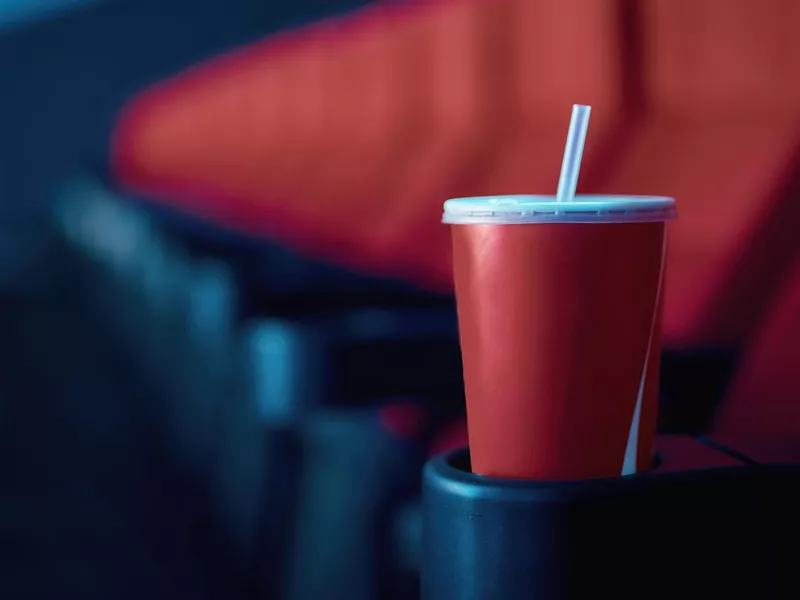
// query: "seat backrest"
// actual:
[[712, 58], [567, 52], [237, 138]]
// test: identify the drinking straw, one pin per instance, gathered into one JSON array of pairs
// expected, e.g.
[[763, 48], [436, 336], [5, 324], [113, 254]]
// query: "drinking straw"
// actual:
[[571, 166]]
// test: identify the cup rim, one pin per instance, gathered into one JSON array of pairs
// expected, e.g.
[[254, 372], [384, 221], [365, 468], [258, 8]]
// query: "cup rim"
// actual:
[[585, 208]]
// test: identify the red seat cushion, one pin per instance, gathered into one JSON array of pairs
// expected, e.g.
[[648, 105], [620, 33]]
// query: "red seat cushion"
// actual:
[[760, 416], [685, 453]]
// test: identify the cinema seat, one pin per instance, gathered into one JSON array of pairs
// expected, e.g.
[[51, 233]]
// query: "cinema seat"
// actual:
[[342, 139]]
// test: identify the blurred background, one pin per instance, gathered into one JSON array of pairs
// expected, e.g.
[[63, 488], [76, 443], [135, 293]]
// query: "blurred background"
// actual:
[[229, 338]]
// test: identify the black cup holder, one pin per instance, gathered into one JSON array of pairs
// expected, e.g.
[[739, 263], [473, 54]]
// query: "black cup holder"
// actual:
[[706, 533]]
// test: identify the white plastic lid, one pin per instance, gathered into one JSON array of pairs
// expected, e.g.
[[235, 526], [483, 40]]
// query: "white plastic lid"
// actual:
[[513, 210]]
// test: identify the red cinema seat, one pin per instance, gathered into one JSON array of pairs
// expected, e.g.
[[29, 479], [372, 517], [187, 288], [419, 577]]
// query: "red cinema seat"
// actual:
[[344, 138], [760, 415], [721, 133]]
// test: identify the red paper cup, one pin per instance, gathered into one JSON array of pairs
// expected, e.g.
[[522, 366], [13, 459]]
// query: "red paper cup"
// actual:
[[559, 309]]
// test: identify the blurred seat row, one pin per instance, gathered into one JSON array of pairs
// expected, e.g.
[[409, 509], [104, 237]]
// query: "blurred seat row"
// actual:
[[153, 443], [344, 137]]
